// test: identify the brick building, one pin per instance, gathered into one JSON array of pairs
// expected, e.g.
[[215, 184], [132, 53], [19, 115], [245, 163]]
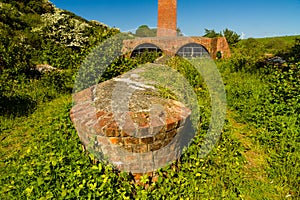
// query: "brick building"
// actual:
[[168, 42]]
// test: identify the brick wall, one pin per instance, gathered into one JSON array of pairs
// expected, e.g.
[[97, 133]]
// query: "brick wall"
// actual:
[[170, 45]]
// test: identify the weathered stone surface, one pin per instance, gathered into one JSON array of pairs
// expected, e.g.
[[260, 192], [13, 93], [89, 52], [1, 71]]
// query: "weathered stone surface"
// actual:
[[130, 124]]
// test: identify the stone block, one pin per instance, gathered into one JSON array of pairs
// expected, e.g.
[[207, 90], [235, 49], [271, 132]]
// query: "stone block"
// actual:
[[148, 140], [131, 141], [140, 148]]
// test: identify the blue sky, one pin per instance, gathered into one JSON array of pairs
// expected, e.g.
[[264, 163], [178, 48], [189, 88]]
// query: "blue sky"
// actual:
[[256, 18]]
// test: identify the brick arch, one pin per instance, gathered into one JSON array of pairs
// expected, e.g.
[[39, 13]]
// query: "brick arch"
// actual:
[[192, 49], [130, 45]]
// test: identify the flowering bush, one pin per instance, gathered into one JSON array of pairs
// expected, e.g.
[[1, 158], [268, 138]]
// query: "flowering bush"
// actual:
[[62, 28]]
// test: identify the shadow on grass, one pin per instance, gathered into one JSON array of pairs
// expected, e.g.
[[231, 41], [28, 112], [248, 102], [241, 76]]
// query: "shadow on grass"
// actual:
[[17, 106]]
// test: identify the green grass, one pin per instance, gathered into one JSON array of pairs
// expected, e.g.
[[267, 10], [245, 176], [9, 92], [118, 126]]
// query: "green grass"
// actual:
[[42, 157], [257, 156], [287, 39], [273, 45], [269, 103]]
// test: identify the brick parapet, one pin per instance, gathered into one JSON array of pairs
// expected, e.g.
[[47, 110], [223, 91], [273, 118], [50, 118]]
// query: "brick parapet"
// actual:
[[145, 142]]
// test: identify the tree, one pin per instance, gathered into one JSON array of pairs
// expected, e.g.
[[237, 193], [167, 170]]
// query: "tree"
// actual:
[[231, 36], [179, 33], [294, 54], [211, 33], [145, 31]]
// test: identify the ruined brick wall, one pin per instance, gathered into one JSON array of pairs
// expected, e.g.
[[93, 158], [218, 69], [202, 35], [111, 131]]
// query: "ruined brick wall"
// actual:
[[147, 139], [223, 47], [167, 18]]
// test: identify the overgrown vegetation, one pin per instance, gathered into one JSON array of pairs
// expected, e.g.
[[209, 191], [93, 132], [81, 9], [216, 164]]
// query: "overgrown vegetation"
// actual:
[[257, 156], [35, 32], [145, 31], [232, 37]]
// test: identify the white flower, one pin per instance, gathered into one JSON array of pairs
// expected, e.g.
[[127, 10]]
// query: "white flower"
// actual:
[[63, 28]]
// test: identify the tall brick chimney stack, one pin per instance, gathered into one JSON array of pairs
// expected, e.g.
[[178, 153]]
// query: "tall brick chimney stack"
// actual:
[[167, 18]]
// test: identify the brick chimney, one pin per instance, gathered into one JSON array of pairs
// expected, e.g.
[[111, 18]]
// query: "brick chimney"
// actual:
[[167, 18]]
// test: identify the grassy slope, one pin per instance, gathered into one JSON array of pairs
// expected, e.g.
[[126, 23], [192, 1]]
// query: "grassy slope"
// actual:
[[287, 39], [276, 45], [41, 157]]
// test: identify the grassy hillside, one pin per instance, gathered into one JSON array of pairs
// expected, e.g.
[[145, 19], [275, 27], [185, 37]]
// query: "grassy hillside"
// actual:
[[257, 156], [273, 45], [287, 40], [35, 33]]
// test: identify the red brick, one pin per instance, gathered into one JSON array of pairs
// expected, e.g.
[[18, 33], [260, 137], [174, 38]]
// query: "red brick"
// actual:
[[130, 158], [112, 129], [131, 141], [160, 136], [155, 146], [116, 141], [171, 134], [140, 148], [147, 156], [104, 121], [162, 161], [141, 118], [98, 129], [171, 124], [102, 126], [128, 148], [143, 132], [77, 109], [112, 132], [84, 95], [129, 126], [166, 142], [147, 140], [100, 113], [156, 122], [103, 141], [124, 134]]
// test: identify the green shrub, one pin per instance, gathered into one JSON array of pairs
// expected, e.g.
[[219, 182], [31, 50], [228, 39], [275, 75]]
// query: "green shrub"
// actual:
[[294, 54], [246, 56]]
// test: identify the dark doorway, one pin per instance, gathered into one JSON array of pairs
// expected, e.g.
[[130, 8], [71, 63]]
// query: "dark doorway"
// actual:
[[144, 48], [192, 50]]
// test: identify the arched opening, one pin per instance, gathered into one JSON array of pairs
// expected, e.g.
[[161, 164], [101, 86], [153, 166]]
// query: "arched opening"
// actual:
[[192, 50], [144, 48]]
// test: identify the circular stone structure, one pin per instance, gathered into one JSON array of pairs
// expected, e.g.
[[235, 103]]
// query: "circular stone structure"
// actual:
[[128, 123]]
